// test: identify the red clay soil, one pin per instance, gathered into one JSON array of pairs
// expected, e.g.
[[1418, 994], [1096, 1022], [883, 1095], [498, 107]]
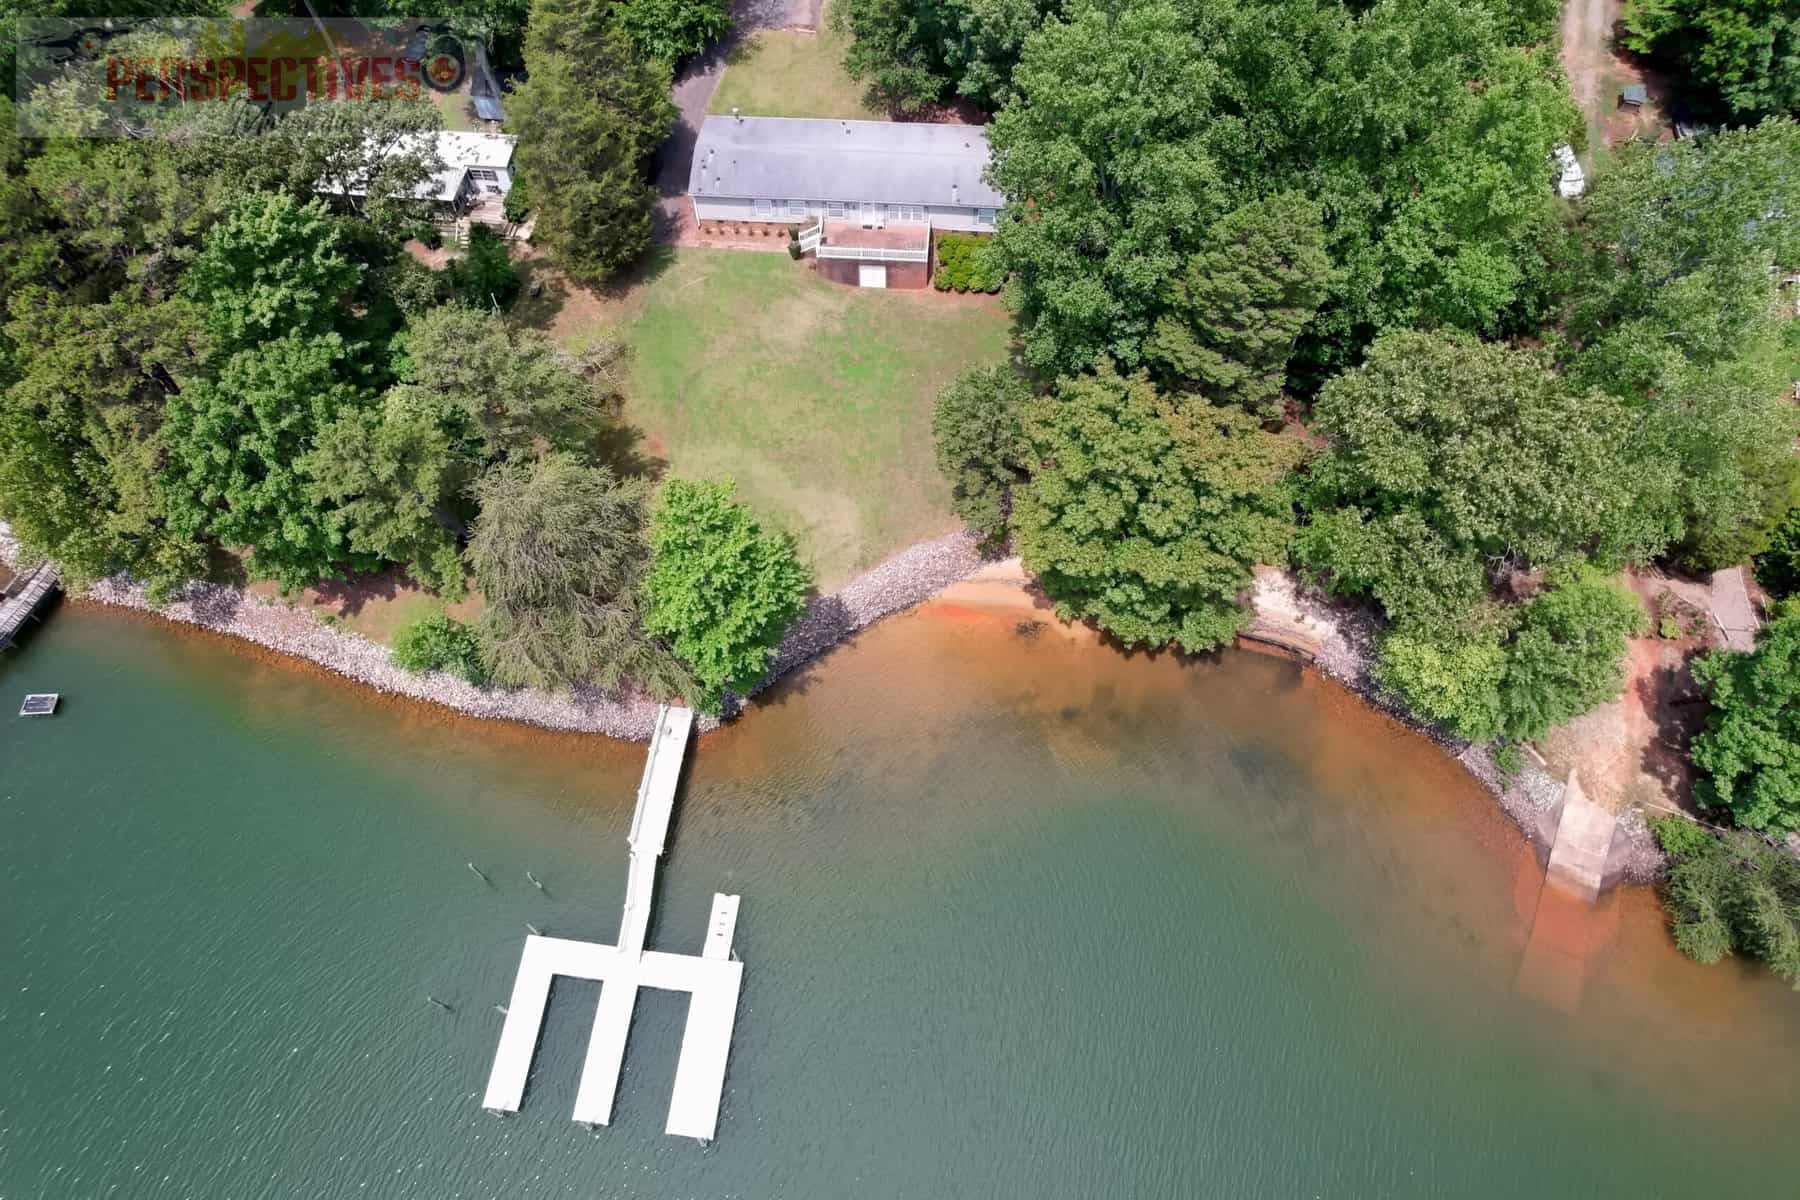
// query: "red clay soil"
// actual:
[[1635, 749], [1598, 67]]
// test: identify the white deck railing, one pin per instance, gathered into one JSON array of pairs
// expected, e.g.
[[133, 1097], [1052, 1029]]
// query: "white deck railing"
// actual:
[[874, 253]]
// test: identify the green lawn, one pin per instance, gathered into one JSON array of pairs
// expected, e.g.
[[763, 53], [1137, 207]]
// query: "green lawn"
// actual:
[[814, 396], [783, 74]]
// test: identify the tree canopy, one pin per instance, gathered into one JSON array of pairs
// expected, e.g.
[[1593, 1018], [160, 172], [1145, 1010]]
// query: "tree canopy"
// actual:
[[590, 115], [235, 449], [558, 550], [1744, 54], [1147, 517], [721, 589], [1237, 308], [1419, 127], [272, 268], [1749, 752], [978, 430]]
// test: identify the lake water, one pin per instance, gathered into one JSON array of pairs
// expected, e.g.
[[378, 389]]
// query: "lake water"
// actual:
[[1021, 917]]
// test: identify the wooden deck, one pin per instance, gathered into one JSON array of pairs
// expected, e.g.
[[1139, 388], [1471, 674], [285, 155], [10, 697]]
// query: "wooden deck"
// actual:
[[27, 593]]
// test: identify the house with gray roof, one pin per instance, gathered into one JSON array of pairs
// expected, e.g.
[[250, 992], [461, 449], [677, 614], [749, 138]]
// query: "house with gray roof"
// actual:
[[865, 192]]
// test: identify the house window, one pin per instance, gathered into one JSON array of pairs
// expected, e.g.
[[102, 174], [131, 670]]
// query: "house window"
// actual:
[[984, 216], [483, 175], [834, 209], [907, 212], [796, 208], [765, 209]]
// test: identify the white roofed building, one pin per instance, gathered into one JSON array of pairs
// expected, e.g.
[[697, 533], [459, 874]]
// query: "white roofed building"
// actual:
[[868, 193], [477, 167]]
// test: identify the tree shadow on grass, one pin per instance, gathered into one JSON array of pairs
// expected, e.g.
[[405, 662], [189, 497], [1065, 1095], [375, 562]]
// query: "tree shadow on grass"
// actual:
[[349, 596], [546, 293], [619, 448]]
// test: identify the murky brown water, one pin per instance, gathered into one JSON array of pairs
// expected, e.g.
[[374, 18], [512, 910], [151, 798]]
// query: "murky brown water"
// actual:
[[1022, 916]]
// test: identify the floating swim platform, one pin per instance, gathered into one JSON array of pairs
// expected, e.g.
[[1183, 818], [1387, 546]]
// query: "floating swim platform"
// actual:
[[40, 704]]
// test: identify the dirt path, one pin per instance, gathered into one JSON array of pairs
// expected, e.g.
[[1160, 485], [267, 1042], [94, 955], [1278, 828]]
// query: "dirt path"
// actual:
[[1598, 69], [1634, 750], [1586, 47]]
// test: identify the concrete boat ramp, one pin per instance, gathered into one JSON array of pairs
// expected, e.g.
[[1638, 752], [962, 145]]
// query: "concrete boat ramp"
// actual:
[[712, 978]]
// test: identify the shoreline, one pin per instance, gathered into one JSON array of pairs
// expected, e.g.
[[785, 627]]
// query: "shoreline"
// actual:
[[901, 582], [1335, 639]]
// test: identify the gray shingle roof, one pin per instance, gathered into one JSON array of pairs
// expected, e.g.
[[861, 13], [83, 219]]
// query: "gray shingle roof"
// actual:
[[884, 161]]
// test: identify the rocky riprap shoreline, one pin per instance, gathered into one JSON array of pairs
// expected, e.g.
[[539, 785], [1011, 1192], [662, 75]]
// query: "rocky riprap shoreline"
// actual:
[[1343, 641], [912, 576], [1343, 636]]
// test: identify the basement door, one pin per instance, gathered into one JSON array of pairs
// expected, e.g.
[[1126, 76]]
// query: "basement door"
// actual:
[[871, 275]]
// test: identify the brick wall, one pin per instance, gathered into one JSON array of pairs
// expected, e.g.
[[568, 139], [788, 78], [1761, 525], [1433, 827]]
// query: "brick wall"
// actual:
[[899, 275]]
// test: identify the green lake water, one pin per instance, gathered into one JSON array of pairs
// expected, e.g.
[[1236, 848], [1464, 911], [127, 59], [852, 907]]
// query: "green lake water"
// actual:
[[1021, 917]]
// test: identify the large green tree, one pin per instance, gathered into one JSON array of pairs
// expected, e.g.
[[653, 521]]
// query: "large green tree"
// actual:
[[1147, 517], [391, 476], [236, 445], [558, 552], [1742, 55], [1749, 752], [81, 433], [978, 431], [508, 391], [1238, 305], [1447, 455], [590, 116], [272, 268], [1106, 161], [721, 589], [374, 156]]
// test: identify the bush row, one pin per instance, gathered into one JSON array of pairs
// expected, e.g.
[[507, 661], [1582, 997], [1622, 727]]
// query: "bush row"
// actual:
[[966, 263]]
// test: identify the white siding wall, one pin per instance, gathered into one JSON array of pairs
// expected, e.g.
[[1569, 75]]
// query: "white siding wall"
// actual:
[[721, 208]]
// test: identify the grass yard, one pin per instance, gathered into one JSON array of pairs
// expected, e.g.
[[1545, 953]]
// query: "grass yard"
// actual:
[[815, 397], [781, 73], [376, 606]]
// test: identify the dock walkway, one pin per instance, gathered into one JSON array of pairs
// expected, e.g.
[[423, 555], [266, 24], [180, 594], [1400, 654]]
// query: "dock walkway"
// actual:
[[27, 594], [712, 979]]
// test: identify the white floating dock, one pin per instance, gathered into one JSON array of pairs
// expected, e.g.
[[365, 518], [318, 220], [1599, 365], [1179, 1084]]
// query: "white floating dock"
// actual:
[[712, 979], [720, 926]]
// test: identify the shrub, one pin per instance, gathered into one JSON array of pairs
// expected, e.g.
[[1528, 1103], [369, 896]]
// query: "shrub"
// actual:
[[439, 642], [966, 263], [1678, 835], [1508, 759], [483, 275], [672, 30], [414, 286], [1731, 893], [517, 205], [1669, 629]]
